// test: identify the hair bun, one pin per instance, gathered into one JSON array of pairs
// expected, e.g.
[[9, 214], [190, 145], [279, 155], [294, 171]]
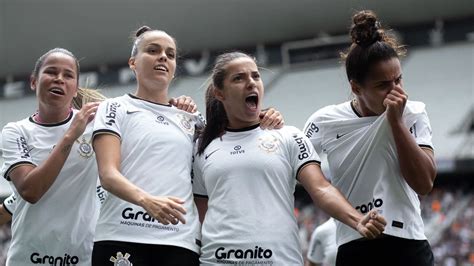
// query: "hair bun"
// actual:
[[366, 29], [142, 30]]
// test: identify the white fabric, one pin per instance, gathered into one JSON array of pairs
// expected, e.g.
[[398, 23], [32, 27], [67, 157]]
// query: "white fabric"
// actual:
[[60, 226], [156, 155], [322, 246], [362, 157], [249, 178]]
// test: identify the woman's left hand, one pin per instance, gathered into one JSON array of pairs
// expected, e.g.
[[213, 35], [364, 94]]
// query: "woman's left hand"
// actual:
[[394, 103], [371, 225], [270, 119], [184, 103]]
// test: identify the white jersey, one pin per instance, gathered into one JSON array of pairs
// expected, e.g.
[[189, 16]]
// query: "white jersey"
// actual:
[[363, 159], [322, 246], [156, 155], [249, 178], [59, 228]]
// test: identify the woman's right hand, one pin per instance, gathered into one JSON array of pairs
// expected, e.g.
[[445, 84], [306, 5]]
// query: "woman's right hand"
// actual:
[[166, 209], [82, 118]]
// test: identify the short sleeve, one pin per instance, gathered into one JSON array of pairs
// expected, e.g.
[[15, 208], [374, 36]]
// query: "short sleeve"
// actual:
[[315, 250], [16, 149], [199, 188], [301, 152], [312, 132], [108, 118], [10, 204], [422, 132]]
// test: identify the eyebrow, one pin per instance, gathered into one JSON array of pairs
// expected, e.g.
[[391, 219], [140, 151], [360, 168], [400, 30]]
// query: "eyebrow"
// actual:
[[159, 46]]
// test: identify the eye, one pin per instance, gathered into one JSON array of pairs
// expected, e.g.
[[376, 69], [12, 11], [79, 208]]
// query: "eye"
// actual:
[[151, 50], [256, 76], [171, 55], [398, 80], [237, 78]]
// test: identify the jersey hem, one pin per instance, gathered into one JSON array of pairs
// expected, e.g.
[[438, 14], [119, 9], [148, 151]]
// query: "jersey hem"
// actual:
[[304, 164], [105, 131], [201, 196], [15, 165]]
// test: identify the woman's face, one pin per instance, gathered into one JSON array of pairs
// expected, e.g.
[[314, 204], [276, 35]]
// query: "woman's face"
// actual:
[[382, 78], [155, 62], [242, 92], [56, 83]]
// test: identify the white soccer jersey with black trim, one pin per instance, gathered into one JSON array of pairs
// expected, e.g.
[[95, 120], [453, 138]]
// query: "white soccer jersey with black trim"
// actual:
[[156, 155], [322, 246], [59, 228], [249, 178], [363, 160]]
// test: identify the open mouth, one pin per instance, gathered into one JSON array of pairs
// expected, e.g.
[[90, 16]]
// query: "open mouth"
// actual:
[[161, 68], [252, 101], [57, 91]]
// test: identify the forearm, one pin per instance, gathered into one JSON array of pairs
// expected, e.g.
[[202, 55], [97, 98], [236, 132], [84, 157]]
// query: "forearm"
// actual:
[[33, 184], [416, 165], [114, 182]]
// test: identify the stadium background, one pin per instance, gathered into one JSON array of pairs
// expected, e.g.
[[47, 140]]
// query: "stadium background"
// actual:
[[297, 43]]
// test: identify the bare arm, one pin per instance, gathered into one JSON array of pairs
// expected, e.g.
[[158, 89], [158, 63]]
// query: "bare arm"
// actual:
[[330, 200], [165, 209], [5, 216], [33, 182], [417, 164]]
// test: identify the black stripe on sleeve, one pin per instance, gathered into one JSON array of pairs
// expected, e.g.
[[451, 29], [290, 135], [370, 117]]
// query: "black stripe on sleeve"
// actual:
[[423, 146], [15, 165], [303, 165], [6, 208], [105, 131], [201, 196]]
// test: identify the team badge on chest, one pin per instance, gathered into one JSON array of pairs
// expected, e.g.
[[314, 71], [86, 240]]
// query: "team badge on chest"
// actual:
[[85, 148], [268, 143], [185, 123]]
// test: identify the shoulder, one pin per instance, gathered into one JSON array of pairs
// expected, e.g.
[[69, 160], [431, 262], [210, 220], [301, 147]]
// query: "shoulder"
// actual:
[[342, 110]]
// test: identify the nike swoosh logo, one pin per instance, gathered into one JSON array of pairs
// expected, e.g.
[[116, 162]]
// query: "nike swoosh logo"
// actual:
[[131, 112], [209, 154], [340, 135]]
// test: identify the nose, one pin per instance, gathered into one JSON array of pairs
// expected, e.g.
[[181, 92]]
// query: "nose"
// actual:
[[162, 56], [59, 78], [252, 84]]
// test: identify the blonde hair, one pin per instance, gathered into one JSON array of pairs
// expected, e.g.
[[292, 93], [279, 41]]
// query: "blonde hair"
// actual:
[[86, 95]]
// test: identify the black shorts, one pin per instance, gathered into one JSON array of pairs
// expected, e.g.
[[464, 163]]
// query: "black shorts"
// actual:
[[106, 252], [387, 250]]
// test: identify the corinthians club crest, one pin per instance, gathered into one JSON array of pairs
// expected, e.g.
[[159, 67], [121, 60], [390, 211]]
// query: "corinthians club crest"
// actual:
[[85, 147], [268, 143], [186, 123], [121, 260]]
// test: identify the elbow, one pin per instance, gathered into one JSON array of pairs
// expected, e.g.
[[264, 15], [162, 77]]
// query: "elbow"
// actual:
[[29, 195], [105, 179], [425, 188]]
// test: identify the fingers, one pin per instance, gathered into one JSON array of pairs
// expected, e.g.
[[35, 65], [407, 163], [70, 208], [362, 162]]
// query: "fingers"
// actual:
[[167, 210], [271, 119], [372, 225], [184, 103]]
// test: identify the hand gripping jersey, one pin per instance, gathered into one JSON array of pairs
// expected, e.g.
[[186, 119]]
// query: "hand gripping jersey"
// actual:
[[363, 159], [249, 177], [156, 155], [322, 246], [59, 228]]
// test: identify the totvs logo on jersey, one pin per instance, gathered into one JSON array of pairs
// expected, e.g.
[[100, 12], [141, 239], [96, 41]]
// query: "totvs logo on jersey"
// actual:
[[251, 256], [67, 259]]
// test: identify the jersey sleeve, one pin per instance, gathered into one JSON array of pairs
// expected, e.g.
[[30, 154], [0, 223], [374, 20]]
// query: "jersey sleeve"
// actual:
[[10, 204], [16, 150], [315, 250], [312, 131], [301, 152], [108, 117], [199, 188], [422, 132]]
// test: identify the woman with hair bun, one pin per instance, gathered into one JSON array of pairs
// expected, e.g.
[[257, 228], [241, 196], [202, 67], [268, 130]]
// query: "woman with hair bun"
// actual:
[[379, 150]]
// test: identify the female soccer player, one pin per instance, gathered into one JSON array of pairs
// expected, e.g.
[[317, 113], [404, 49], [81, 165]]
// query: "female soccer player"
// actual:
[[49, 159], [144, 152], [245, 177], [379, 150]]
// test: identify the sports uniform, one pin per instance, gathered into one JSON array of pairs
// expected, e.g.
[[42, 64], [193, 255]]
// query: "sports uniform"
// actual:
[[322, 246], [156, 155], [249, 176], [363, 159], [59, 228]]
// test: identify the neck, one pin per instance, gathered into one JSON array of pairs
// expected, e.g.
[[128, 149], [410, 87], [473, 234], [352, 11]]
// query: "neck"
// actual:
[[50, 116], [361, 109], [156, 95]]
